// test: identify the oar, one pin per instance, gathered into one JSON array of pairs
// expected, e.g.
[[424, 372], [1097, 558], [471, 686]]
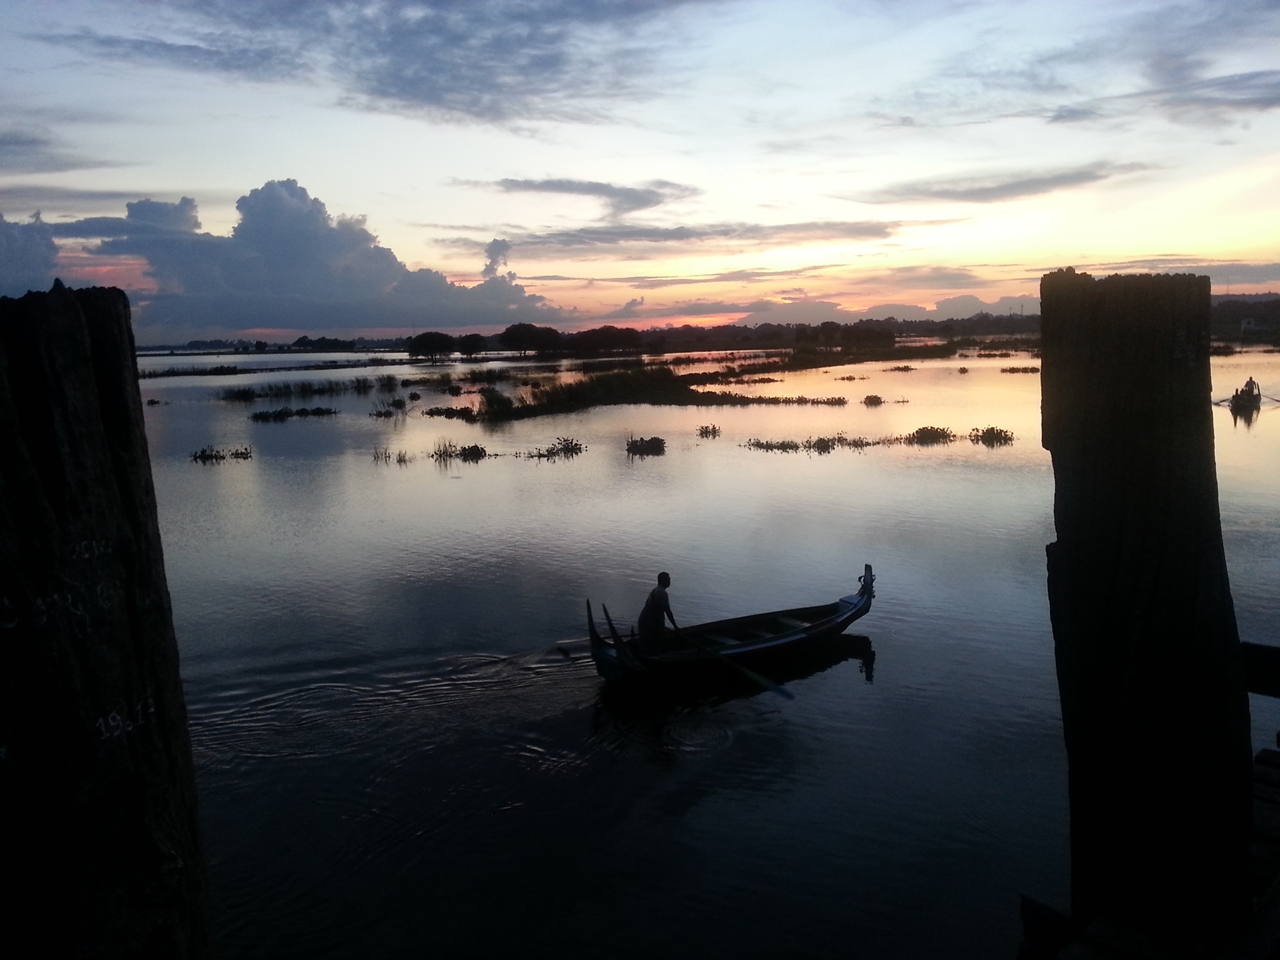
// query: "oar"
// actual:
[[765, 682]]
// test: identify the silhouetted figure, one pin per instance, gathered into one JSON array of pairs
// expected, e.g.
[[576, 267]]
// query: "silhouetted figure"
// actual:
[[651, 623]]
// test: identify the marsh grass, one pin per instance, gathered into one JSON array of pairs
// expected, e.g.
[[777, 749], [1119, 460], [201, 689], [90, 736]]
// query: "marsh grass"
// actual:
[[381, 456], [465, 414], [872, 400], [923, 437], [991, 436], [288, 413], [818, 445], [362, 385], [901, 368], [387, 383], [853, 376], [963, 370], [564, 448], [446, 451], [384, 408], [708, 432], [214, 455], [404, 457], [1019, 369], [288, 390], [646, 446]]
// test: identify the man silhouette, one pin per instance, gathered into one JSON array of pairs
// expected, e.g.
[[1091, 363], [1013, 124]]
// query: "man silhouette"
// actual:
[[650, 622]]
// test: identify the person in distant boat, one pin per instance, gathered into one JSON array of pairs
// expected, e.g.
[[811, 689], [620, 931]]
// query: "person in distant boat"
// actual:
[[1251, 386], [651, 623]]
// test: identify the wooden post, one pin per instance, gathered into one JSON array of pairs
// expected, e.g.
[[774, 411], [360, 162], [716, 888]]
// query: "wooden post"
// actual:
[[1154, 709], [101, 852]]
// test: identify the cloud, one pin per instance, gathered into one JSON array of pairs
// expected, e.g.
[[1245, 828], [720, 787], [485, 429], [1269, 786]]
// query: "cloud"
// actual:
[[495, 256], [492, 60], [34, 150], [33, 196], [236, 54], [628, 311], [619, 200], [624, 239], [289, 263], [995, 187], [27, 256]]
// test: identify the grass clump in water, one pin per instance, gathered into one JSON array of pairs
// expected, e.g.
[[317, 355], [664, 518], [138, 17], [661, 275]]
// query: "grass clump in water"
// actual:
[[818, 445], [214, 455], [927, 437], [288, 413], [1019, 369], [447, 451], [646, 446], [708, 432], [564, 447], [991, 437], [852, 376], [963, 370], [872, 400], [902, 368], [465, 414]]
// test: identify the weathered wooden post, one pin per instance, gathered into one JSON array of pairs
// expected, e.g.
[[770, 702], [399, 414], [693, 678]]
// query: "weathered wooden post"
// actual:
[[101, 852], [1154, 708]]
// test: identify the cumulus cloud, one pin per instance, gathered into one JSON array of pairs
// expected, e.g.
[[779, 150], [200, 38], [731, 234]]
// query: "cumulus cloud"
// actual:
[[494, 60], [628, 311], [290, 263], [995, 187], [27, 256], [618, 199], [495, 256]]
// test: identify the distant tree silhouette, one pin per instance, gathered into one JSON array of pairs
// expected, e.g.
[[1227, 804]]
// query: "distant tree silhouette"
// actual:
[[524, 337], [431, 345], [471, 344]]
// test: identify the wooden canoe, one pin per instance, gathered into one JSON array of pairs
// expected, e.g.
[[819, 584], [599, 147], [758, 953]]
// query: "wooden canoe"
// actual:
[[741, 642]]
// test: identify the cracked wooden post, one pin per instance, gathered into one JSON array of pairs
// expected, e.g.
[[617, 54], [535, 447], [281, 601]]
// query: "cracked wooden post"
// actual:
[[102, 855], [1154, 709]]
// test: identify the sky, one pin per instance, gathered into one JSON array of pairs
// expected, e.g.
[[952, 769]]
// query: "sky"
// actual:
[[370, 168]]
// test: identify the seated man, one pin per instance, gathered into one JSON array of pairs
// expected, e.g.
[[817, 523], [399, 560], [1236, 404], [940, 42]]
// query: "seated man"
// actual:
[[650, 622]]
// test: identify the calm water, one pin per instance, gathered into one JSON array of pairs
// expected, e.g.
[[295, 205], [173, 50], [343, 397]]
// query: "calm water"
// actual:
[[393, 759]]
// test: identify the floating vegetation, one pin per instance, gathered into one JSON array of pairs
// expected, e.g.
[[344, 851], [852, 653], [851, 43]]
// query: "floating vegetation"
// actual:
[[773, 446], [746, 380], [447, 451], [902, 400], [991, 437], [1019, 369], [1003, 354], [853, 376], [924, 437], [646, 446], [872, 400], [153, 402], [384, 409], [214, 455], [404, 457], [818, 445], [289, 390], [415, 396], [901, 368], [453, 389], [465, 414], [963, 370], [381, 456], [709, 432], [288, 413], [564, 447]]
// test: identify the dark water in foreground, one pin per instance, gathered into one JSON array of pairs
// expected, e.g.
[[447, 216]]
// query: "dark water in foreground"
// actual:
[[394, 760]]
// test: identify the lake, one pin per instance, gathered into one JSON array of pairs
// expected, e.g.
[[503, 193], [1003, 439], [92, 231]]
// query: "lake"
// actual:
[[393, 758]]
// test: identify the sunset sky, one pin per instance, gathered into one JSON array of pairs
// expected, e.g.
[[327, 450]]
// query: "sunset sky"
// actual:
[[639, 161]]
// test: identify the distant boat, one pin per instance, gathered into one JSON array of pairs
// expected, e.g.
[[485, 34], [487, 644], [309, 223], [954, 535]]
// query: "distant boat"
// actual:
[[742, 644], [1247, 398]]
